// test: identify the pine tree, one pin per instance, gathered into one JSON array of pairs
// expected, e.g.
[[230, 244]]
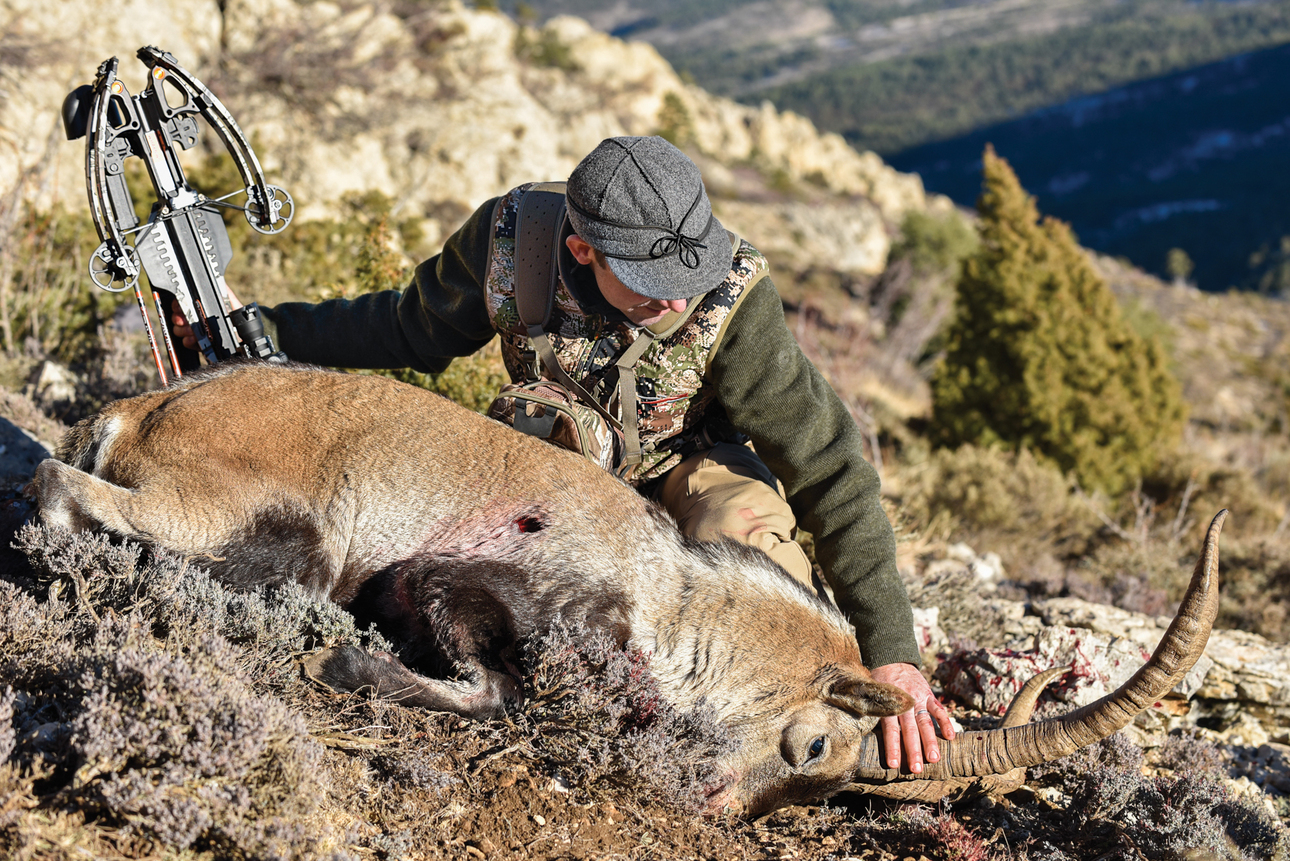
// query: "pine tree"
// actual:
[[1039, 357]]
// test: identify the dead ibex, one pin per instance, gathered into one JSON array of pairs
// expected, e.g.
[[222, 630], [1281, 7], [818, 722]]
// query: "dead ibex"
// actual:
[[477, 536]]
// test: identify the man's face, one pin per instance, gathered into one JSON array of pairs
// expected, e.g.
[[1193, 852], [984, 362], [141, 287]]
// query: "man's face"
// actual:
[[641, 310]]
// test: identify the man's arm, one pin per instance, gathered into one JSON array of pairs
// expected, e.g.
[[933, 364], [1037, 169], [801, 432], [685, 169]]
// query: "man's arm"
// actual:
[[806, 436], [440, 315], [804, 433]]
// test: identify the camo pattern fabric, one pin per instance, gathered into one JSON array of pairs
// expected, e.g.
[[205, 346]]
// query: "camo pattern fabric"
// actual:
[[673, 400]]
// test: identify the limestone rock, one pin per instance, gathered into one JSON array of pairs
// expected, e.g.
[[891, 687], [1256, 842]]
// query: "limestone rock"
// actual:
[[51, 384], [1241, 681], [988, 679], [439, 111], [848, 237], [928, 633]]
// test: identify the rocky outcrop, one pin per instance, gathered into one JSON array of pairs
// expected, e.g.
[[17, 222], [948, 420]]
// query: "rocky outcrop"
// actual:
[[1241, 683], [439, 111]]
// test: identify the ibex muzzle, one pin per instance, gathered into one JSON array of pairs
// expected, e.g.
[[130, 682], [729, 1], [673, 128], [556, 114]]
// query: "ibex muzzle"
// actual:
[[476, 537]]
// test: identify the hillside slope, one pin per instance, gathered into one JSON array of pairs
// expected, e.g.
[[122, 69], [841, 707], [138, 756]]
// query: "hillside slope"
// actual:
[[889, 74], [1193, 160], [438, 109]]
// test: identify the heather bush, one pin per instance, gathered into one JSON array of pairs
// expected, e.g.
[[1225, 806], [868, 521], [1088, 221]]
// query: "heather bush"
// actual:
[[183, 603], [414, 770], [165, 746], [1187, 751], [1161, 817], [596, 717], [174, 745], [934, 835], [7, 736]]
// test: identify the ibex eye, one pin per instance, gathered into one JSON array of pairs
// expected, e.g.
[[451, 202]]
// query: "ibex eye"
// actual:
[[817, 747]]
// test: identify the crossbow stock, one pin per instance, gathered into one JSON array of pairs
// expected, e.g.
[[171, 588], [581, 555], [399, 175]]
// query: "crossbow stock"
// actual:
[[184, 247]]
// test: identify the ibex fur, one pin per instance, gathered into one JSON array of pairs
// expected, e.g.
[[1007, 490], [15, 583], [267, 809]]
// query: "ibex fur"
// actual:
[[476, 537]]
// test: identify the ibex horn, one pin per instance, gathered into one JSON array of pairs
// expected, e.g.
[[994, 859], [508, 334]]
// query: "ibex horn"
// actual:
[[974, 754]]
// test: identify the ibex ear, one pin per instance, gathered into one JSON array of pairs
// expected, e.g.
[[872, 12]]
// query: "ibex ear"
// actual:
[[866, 698]]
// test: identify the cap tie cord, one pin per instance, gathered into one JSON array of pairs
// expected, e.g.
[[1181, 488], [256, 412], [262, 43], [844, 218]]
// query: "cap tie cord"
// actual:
[[674, 242]]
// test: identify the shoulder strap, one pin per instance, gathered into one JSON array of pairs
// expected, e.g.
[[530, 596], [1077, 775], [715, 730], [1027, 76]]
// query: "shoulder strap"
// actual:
[[537, 240], [537, 237], [626, 365]]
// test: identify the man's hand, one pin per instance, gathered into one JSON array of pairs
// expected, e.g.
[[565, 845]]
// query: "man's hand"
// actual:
[[183, 329], [916, 728]]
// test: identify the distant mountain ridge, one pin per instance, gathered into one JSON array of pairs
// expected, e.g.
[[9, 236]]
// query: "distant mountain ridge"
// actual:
[[1149, 125], [890, 74], [1195, 160]]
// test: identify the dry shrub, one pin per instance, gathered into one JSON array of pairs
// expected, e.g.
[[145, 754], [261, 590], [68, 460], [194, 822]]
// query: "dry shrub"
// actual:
[[183, 604], [596, 717], [1186, 751], [174, 747], [1246, 493], [1256, 586], [1158, 817], [133, 718], [1004, 501], [1135, 551], [160, 707], [1146, 563]]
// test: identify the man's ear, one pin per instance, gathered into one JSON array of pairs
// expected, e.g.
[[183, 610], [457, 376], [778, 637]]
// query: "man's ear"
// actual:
[[580, 248]]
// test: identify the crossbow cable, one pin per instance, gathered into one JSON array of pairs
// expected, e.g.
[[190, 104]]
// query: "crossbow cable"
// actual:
[[184, 247]]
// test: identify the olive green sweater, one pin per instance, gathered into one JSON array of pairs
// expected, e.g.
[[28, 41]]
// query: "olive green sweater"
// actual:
[[769, 390]]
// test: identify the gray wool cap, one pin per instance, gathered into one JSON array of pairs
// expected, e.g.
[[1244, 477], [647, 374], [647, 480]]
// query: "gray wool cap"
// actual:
[[640, 201]]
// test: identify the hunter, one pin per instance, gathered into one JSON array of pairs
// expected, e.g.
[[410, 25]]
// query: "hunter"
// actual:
[[734, 432]]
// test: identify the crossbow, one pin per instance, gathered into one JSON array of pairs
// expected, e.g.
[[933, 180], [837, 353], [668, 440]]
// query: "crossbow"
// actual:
[[183, 247]]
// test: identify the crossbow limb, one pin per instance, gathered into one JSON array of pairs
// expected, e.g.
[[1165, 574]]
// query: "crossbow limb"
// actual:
[[184, 247]]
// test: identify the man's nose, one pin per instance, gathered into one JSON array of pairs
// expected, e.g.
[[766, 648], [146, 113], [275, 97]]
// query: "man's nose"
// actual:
[[677, 305]]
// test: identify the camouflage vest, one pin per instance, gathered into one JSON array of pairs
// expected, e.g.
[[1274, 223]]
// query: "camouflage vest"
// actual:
[[676, 409]]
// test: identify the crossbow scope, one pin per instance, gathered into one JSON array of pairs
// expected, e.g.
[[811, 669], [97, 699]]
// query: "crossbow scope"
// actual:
[[183, 247]]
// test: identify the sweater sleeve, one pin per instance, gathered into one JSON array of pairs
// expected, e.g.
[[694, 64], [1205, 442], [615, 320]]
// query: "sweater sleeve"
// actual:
[[441, 314], [805, 435]]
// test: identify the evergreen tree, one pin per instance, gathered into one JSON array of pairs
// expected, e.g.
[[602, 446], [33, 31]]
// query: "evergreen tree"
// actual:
[[1039, 357]]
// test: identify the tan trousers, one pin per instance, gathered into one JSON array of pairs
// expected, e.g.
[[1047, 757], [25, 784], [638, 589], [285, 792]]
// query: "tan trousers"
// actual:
[[727, 492]]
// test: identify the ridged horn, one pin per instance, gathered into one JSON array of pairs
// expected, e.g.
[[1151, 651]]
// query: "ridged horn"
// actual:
[[974, 754]]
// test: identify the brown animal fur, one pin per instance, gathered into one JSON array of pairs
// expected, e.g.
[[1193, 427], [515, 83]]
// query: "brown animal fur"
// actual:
[[475, 536]]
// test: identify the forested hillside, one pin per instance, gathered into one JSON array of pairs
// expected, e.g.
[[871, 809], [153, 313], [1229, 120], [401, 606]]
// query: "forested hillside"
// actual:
[[1150, 125], [889, 75], [1193, 161]]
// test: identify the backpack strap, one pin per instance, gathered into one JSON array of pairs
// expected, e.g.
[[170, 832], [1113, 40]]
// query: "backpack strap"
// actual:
[[626, 365], [537, 250], [537, 241]]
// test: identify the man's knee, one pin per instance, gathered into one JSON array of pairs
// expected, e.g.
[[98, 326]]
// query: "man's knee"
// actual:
[[728, 493]]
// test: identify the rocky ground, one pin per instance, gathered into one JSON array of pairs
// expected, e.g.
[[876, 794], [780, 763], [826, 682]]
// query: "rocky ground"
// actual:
[[153, 714]]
